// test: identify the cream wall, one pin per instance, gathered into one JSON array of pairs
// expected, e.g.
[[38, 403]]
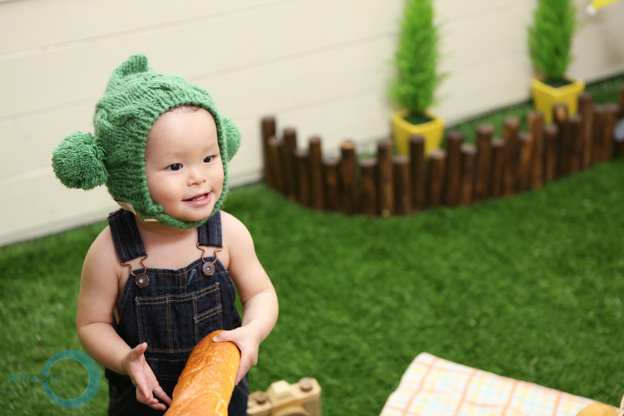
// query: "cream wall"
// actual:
[[319, 65]]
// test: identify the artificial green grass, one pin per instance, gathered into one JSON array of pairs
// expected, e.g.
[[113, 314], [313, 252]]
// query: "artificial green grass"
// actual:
[[527, 287]]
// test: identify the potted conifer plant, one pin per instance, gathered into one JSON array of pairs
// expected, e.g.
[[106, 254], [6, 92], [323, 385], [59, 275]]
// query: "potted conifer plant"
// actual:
[[417, 77], [550, 44]]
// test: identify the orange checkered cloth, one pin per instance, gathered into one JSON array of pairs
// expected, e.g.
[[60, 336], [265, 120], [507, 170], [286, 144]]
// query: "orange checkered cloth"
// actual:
[[432, 386]]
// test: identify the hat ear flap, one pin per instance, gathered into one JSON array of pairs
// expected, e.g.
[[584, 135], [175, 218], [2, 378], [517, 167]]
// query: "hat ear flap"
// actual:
[[232, 137], [78, 162]]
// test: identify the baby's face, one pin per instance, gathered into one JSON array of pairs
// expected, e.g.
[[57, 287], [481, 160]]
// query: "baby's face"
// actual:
[[183, 164]]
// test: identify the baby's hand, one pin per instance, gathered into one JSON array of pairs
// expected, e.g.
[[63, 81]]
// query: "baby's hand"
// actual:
[[143, 378], [247, 342]]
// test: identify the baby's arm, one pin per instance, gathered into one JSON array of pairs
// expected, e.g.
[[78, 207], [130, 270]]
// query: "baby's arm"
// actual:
[[99, 289], [256, 292]]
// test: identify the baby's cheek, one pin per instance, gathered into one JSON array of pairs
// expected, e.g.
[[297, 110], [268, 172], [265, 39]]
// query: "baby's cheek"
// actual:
[[220, 178]]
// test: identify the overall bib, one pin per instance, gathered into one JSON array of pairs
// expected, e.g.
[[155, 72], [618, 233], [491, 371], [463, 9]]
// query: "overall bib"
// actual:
[[175, 311]]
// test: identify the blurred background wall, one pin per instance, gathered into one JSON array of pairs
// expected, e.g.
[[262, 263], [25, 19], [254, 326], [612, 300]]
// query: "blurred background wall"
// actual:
[[319, 65]]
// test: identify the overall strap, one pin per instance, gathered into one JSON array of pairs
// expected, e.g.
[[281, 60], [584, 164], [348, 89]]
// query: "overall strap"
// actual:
[[209, 234], [126, 236]]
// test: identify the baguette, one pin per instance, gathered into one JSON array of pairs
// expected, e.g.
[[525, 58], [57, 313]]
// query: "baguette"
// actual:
[[206, 384]]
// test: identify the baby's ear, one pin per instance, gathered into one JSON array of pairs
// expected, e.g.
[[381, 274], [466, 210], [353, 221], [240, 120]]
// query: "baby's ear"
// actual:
[[78, 162], [232, 136]]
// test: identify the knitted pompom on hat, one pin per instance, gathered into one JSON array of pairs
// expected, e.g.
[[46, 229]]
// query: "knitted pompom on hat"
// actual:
[[79, 162], [134, 98]]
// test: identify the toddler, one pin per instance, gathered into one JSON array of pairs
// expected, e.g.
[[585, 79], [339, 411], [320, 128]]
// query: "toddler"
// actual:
[[159, 278]]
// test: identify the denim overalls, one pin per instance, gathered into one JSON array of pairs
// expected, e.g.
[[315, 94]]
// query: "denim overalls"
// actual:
[[172, 314]]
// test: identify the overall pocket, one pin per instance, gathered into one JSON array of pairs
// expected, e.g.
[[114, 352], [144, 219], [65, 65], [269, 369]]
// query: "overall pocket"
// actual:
[[176, 323]]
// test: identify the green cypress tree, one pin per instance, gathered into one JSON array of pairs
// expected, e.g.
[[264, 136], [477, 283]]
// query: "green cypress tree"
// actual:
[[550, 38], [416, 59]]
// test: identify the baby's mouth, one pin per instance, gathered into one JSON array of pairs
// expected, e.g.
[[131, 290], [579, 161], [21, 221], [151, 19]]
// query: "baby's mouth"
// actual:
[[197, 198]]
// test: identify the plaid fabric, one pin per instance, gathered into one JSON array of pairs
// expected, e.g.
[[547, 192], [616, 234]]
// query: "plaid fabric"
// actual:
[[432, 386]]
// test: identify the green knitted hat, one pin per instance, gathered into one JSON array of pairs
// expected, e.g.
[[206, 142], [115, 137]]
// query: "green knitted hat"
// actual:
[[134, 98]]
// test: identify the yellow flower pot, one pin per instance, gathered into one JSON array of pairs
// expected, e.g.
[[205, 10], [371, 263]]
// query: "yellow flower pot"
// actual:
[[432, 131], [545, 96]]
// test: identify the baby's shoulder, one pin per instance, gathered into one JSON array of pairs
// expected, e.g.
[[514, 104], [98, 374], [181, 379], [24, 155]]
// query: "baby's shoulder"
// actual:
[[102, 250], [229, 220], [233, 229]]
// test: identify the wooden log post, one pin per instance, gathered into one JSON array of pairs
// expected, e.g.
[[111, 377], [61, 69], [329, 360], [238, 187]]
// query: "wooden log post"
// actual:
[[386, 181], [621, 101], [619, 148], [499, 162], [468, 167], [454, 141], [268, 130], [290, 144], [598, 133], [436, 180], [575, 155], [348, 185], [417, 172], [612, 112], [511, 128], [586, 111], [536, 129], [618, 110], [550, 151], [331, 183], [402, 186], [302, 161], [525, 142], [619, 143], [276, 162], [269, 162], [560, 118], [485, 133], [316, 172], [369, 204]]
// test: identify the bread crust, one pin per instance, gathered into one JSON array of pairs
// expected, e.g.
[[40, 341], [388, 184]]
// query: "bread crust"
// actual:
[[206, 384], [598, 409]]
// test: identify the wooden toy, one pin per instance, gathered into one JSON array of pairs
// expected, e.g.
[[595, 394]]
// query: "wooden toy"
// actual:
[[283, 399]]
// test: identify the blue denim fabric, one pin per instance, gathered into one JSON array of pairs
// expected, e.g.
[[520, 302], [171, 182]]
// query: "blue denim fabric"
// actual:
[[172, 314]]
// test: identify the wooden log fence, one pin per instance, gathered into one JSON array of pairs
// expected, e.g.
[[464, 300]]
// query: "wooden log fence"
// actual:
[[485, 134], [497, 175], [535, 121], [437, 173], [417, 172], [368, 202], [452, 181], [385, 177], [331, 178], [462, 174]]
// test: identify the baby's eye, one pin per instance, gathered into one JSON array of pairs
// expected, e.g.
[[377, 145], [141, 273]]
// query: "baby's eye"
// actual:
[[208, 159], [175, 166]]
